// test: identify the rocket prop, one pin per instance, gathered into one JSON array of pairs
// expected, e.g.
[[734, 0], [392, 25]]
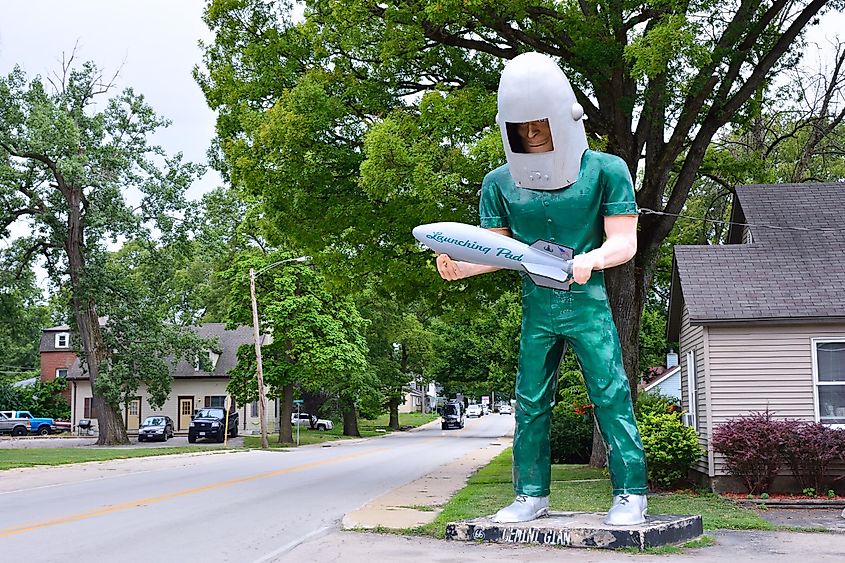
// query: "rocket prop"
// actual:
[[547, 264]]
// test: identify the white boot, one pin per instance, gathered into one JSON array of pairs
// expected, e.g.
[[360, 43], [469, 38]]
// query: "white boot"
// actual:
[[627, 510], [523, 509]]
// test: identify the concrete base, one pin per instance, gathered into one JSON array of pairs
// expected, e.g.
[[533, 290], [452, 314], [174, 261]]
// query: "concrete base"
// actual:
[[580, 529]]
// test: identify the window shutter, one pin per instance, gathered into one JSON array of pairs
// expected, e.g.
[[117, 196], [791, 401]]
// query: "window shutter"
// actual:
[[87, 408], [207, 401]]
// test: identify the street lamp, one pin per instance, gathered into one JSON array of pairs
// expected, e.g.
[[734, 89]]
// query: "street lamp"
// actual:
[[262, 399]]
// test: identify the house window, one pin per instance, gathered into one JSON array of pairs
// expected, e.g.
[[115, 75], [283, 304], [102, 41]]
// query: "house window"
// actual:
[[692, 391], [218, 401], [253, 409], [89, 411], [829, 376], [63, 340], [61, 373]]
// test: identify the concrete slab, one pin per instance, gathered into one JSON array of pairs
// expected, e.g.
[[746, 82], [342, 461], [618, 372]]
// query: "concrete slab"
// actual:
[[580, 529]]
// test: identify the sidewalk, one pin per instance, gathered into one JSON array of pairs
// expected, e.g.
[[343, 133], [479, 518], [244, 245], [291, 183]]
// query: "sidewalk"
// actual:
[[754, 546]]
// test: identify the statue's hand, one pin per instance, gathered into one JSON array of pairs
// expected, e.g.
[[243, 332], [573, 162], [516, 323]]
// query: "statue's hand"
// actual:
[[583, 266], [449, 269]]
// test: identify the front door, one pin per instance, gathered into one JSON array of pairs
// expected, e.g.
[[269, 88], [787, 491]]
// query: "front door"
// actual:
[[133, 414], [186, 409]]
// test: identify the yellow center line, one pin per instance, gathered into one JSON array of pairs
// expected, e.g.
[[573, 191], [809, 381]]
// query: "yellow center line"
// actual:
[[184, 492]]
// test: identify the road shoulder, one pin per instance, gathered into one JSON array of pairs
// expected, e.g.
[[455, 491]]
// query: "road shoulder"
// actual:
[[419, 502]]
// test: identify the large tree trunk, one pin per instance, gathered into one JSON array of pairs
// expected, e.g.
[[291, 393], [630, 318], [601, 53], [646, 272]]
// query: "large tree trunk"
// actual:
[[350, 418], [393, 408], [285, 412], [627, 286], [112, 430]]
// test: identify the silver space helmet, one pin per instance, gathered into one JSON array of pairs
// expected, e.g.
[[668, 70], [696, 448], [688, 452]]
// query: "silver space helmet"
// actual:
[[533, 87]]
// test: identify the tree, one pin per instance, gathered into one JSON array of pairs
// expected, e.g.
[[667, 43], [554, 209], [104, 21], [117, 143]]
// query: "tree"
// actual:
[[317, 340], [371, 116], [66, 160], [22, 317]]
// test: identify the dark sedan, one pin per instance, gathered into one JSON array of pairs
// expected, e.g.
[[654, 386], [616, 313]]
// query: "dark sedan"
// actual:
[[156, 428]]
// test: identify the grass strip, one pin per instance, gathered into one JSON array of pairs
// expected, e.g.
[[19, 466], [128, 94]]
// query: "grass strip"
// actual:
[[580, 488], [30, 457], [367, 428]]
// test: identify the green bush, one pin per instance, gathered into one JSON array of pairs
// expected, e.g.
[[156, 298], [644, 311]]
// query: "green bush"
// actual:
[[670, 447], [653, 402], [572, 434]]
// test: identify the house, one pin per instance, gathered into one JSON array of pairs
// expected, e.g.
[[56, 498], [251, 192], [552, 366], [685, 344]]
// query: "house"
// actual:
[[195, 384], [57, 355], [761, 320], [415, 395], [668, 383]]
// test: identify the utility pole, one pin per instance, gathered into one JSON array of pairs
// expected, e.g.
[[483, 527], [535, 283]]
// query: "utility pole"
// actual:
[[259, 368]]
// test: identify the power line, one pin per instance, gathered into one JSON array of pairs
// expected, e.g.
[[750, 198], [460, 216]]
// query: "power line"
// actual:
[[646, 211]]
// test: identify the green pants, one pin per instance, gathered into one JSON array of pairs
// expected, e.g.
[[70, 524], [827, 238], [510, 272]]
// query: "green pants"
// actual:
[[550, 320]]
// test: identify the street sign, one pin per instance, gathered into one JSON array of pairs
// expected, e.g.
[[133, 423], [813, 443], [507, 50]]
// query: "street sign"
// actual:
[[298, 401], [485, 400]]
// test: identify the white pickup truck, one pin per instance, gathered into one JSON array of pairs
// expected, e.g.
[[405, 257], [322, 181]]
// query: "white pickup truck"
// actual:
[[306, 420], [13, 426]]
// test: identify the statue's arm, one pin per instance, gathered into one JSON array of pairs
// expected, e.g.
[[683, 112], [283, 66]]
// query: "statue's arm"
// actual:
[[619, 246]]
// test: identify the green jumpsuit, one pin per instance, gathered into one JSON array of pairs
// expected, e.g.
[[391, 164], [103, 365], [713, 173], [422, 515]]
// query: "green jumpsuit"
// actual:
[[572, 217]]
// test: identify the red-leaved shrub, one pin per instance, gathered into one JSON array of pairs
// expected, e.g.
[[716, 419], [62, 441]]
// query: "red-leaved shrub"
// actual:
[[809, 448], [752, 448]]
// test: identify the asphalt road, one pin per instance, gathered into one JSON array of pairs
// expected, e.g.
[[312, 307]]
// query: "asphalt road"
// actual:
[[247, 506]]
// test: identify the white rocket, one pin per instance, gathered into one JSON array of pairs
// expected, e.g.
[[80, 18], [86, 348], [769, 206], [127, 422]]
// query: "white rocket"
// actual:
[[548, 264]]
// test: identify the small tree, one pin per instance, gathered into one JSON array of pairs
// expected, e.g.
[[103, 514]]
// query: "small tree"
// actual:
[[317, 340]]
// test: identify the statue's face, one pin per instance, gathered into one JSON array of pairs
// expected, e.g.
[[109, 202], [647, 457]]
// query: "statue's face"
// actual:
[[536, 136]]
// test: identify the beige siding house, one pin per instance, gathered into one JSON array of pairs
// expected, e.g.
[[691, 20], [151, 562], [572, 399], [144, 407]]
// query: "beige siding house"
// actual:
[[761, 321], [195, 385]]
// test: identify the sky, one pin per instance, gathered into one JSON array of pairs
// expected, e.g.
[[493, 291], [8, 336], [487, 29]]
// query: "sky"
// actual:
[[152, 43]]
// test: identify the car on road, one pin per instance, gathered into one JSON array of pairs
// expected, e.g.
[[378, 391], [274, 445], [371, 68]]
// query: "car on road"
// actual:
[[474, 410], [453, 416], [156, 428], [304, 419], [485, 409], [211, 423], [505, 409]]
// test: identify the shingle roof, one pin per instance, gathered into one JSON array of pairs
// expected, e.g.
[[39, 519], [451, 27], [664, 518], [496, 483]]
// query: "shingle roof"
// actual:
[[228, 343], [783, 274]]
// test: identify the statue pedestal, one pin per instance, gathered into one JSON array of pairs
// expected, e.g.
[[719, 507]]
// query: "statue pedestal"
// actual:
[[580, 529]]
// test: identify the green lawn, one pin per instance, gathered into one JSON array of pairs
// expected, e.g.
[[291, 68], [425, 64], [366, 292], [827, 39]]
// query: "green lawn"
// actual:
[[375, 427], [29, 457], [583, 488]]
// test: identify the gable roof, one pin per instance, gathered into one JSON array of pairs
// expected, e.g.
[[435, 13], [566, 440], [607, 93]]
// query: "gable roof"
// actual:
[[228, 342], [661, 378], [783, 275]]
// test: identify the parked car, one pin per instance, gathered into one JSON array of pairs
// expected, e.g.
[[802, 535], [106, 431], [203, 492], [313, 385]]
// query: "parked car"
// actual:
[[474, 410], [485, 408], [505, 409], [211, 423], [453, 416], [311, 421], [36, 425], [13, 426], [156, 428]]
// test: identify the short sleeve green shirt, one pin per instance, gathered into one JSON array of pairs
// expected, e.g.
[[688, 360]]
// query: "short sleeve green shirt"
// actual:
[[571, 216]]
